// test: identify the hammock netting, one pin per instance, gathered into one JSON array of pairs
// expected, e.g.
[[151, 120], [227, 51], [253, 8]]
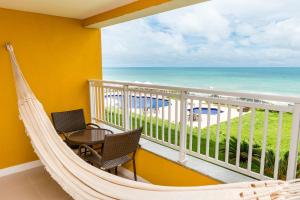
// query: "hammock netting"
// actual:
[[85, 182]]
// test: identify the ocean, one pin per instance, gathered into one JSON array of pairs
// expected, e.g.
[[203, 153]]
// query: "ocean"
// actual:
[[267, 80]]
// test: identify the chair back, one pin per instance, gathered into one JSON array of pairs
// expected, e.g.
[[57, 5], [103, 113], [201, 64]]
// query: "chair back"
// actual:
[[68, 121], [118, 145]]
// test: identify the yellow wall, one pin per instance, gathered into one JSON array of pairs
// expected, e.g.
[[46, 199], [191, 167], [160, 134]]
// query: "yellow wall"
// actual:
[[57, 57], [161, 171]]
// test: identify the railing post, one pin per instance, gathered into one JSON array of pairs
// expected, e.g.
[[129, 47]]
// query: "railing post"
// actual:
[[293, 153], [92, 101], [182, 145], [125, 108]]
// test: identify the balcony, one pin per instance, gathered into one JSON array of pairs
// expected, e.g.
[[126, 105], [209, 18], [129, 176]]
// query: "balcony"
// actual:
[[192, 137], [250, 136]]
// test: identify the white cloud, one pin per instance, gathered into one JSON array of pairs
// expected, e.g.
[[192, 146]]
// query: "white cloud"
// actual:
[[199, 20], [283, 34], [215, 33]]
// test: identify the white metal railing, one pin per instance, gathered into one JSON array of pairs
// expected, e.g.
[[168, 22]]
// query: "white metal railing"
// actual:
[[193, 121]]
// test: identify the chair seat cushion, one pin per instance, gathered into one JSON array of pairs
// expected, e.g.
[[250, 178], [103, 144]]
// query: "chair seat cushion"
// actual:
[[71, 145], [107, 164]]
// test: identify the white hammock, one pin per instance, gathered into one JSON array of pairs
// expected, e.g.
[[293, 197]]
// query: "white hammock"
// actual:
[[83, 181]]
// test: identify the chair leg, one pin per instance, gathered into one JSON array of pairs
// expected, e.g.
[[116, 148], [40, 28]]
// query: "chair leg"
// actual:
[[134, 170], [116, 171]]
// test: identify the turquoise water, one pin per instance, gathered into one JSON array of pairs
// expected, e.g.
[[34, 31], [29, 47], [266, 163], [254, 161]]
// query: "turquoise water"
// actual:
[[282, 81]]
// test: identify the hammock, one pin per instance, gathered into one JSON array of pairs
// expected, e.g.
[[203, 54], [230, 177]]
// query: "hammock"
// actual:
[[85, 182]]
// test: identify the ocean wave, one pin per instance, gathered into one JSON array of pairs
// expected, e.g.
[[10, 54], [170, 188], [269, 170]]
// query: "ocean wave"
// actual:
[[149, 83]]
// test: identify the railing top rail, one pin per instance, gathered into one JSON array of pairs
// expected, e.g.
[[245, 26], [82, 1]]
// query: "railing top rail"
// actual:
[[290, 99]]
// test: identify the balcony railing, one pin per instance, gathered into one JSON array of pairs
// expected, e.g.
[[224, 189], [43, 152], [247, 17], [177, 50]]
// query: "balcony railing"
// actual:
[[253, 134]]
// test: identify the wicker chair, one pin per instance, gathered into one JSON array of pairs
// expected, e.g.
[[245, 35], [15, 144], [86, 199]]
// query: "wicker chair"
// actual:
[[117, 150], [70, 121]]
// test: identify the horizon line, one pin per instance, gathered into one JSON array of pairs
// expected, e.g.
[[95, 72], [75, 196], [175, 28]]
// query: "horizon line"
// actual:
[[200, 67]]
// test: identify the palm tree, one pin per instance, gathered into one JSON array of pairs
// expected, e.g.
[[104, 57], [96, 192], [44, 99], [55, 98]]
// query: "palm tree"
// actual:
[[244, 148], [269, 163], [256, 158]]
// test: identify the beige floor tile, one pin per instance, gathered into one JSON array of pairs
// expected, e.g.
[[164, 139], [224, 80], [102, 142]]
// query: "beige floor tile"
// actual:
[[38, 175], [13, 180], [50, 190], [34, 184], [24, 192]]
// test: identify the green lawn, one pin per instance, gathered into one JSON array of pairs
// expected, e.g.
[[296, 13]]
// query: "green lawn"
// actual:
[[258, 138], [258, 130]]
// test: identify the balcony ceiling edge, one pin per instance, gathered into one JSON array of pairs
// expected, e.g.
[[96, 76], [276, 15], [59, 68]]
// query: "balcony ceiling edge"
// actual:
[[135, 10]]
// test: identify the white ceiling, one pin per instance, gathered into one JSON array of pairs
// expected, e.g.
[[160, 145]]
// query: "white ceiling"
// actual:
[[78, 9]]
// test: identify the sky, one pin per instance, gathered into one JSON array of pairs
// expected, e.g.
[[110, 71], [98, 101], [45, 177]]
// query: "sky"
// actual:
[[218, 33]]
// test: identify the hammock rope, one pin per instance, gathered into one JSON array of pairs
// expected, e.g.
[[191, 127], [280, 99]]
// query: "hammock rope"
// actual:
[[85, 182]]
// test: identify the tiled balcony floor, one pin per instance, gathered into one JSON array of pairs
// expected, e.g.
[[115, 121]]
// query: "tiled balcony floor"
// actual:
[[35, 184]]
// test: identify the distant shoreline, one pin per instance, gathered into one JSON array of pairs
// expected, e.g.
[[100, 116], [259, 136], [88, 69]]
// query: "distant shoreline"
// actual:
[[267, 80]]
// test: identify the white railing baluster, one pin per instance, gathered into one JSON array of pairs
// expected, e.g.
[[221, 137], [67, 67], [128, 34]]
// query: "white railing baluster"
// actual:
[[110, 105], [104, 103], [208, 129], [163, 119], [96, 103], [126, 113], [141, 105], [123, 108], [130, 110], [238, 148], [96, 106], [135, 111], [228, 134], [156, 110], [115, 107], [277, 155], [101, 103], [176, 122], [191, 124], [264, 145], [169, 120], [182, 145], [119, 108], [107, 106], [252, 124], [199, 127], [92, 101], [145, 113], [151, 124], [293, 153], [218, 133]]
